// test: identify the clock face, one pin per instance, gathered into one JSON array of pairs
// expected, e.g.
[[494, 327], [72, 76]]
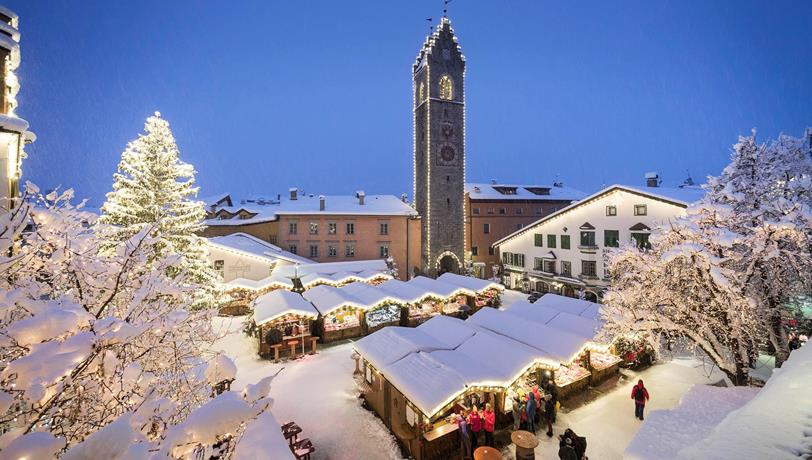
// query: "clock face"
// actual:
[[447, 153]]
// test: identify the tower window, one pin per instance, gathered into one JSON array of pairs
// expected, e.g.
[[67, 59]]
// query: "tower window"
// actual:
[[421, 93], [446, 88]]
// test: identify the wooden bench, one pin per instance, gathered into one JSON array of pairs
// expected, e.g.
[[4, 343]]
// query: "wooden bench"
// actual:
[[276, 352], [292, 344], [302, 449]]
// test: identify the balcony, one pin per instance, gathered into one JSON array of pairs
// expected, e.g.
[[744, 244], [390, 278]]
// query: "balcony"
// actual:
[[589, 249]]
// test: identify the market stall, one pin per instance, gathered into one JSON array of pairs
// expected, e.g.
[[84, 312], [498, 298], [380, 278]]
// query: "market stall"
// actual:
[[447, 298], [421, 305], [341, 314], [603, 366], [482, 292], [281, 318], [380, 308]]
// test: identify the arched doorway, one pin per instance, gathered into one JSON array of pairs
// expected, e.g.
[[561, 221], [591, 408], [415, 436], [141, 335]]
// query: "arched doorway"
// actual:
[[542, 287], [448, 262], [591, 296], [568, 291]]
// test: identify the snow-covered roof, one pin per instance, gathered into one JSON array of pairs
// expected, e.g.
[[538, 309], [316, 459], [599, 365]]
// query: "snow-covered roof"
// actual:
[[425, 381], [678, 196], [369, 295], [263, 438], [276, 304], [11, 122], [312, 274], [392, 343], [487, 191], [469, 282], [558, 345], [374, 205], [215, 200], [570, 305], [403, 291], [251, 245], [774, 424], [439, 288], [532, 312], [328, 298], [449, 330]]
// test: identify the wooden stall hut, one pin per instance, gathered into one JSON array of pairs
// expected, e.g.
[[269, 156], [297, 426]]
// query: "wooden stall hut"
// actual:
[[418, 303], [243, 292], [284, 322], [486, 293], [341, 314], [337, 273], [380, 308], [450, 299]]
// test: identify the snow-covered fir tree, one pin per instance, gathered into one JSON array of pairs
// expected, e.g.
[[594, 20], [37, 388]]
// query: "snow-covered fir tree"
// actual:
[[103, 359], [154, 190], [725, 275]]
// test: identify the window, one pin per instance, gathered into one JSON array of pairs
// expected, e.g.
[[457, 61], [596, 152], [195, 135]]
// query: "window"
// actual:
[[519, 211], [640, 210], [384, 229], [566, 268], [475, 210], [219, 267], [588, 268], [587, 238], [384, 250], [519, 226], [332, 228], [491, 251], [421, 93], [350, 228], [538, 240], [314, 228], [565, 241], [446, 88], [474, 251], [349, 249], [539, 211], [314, 250], [292, 248], [538, 264], [332, 250], [490, 210], [549, 266], [611, 210], [551, 241], [641, 240], [293, 227], [502, 211], [610, 238], [486, 228], [509, 258], [518, 260], [273, 239]]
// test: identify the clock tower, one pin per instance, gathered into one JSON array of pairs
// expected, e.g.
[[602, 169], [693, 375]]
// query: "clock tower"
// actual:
[[439, 149]]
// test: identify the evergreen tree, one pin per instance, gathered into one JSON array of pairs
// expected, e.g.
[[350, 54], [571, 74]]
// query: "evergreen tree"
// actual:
[[154, 190]]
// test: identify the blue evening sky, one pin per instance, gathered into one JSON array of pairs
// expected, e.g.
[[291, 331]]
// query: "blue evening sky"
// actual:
[[264, 95]]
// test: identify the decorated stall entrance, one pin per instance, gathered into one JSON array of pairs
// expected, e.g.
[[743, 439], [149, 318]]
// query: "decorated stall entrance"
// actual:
[[341, 314], [283, 324], [481, 293]]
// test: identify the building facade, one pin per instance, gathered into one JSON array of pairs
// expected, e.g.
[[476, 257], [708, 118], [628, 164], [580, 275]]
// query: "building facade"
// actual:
[[439, 149], [327, 228], [564, 252], [14, 132], [494, 211]]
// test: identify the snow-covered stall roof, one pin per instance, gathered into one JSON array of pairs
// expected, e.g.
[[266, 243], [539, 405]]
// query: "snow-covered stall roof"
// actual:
[[335, 272], [507, 356], [253, 246], [403, 291], [276, 304], [393, 343], [568, 305], [328, 298], [258, 285], [439, 288], [774, 424], [371, 296], [562, 347], [532, 312], [425, 381], [473, 370], [579, 325], [469, 282], [485, 191], [449, 330]]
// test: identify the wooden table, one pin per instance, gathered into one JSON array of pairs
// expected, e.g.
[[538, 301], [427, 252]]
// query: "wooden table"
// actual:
[[526, 443], [487, 453], [441, 431]]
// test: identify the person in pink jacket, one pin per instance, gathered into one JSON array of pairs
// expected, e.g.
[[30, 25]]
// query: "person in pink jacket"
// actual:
[[489, 418], [475, 422]]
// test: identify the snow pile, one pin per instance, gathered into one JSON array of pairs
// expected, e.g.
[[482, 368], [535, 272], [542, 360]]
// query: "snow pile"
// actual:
[[775, 424], [665, 432], [33, 445], [219, 369]]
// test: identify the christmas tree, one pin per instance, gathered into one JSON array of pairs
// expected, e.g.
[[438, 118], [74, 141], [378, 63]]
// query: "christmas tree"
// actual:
[[154, 190]]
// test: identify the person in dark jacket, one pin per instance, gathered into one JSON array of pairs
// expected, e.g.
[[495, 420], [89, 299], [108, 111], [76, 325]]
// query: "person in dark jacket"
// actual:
[[640, 396], [517, 412], [578, 443], [549, 414], [530, 409], [553, 391], [566, 451]]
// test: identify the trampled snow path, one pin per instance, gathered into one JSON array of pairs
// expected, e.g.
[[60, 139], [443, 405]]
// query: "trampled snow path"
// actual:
[[318, 393]]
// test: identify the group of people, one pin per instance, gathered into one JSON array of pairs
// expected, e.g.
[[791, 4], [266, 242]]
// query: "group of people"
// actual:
[[535, 407], [472, 422]]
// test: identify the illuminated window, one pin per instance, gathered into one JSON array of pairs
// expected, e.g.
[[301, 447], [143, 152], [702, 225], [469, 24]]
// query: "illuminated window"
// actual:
[[422, 92], [446, 88]]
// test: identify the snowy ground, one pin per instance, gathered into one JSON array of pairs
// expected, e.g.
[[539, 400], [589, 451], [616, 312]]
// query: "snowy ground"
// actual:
[[319, 394]]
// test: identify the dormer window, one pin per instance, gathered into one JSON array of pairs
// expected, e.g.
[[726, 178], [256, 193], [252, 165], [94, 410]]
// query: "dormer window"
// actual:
[[506, 190], [538, 190]]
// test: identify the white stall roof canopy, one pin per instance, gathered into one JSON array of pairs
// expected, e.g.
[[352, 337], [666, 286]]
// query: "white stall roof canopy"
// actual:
[[277, 304]]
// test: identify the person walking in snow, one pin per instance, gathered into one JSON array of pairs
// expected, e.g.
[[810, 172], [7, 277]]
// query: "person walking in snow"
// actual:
[[475, 423], [489, 420], [517, 412], [553, 391], [465, 437], [549, 414], [531, 412], [640, 396]]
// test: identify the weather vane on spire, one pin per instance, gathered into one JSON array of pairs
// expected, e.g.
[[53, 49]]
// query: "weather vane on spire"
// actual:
[[445, 7], [431, 27]]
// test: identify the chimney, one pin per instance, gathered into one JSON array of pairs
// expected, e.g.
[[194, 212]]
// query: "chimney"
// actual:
[[293, 193], [652, 179], [404, 198], [493, 181], [360, 195], [321, 202]]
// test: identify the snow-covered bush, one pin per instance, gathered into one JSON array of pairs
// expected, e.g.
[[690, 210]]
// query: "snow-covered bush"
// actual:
[[101, 356], [725, 275]]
